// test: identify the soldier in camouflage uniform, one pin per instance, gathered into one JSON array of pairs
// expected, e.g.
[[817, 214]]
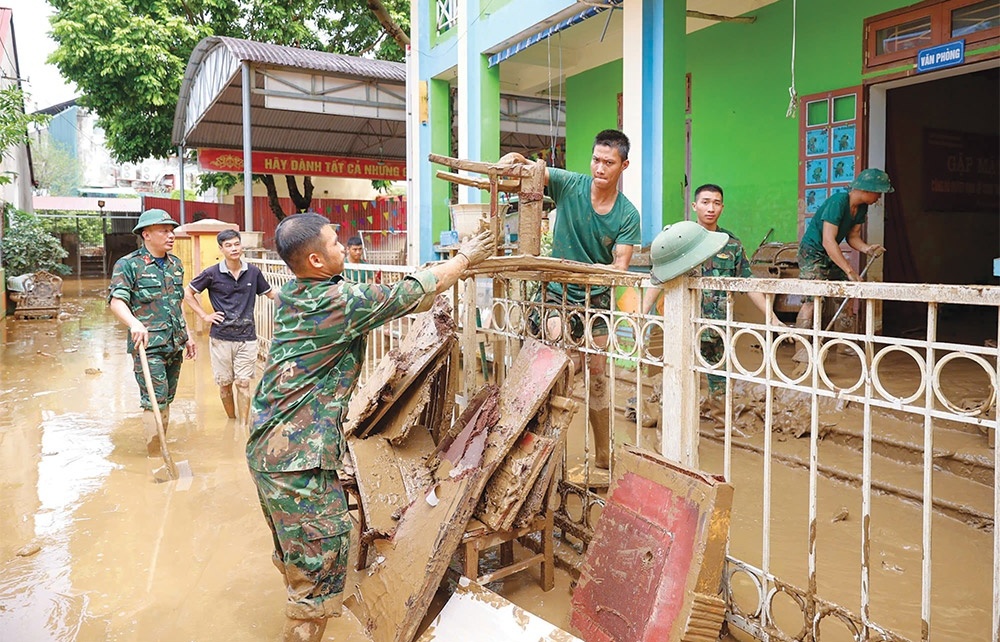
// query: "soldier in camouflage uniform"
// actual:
[[296, 445], [147, 287], [731, 260]]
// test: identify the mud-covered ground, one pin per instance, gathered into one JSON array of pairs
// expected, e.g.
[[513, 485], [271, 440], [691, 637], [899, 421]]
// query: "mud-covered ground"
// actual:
[[91, 549]]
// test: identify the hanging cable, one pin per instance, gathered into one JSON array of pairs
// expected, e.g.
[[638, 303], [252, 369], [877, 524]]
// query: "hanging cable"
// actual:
[[793, 97]]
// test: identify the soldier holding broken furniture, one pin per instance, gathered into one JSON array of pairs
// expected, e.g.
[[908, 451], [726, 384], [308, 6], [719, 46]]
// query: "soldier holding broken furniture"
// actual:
[[296, 445], [595, 223]]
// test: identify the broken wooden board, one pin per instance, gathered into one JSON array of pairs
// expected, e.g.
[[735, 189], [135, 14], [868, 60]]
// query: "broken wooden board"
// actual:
[[411, 408], [493, 619], [653, 571], [392, 598], [430, 335], [554, 420], [390, 476], [513, 480]]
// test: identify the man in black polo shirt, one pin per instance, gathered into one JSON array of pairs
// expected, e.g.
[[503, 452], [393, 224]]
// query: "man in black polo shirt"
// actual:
[[233, 287]]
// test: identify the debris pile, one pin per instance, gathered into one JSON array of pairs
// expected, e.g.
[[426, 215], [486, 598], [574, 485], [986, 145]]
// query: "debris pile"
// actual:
[[421, 479]]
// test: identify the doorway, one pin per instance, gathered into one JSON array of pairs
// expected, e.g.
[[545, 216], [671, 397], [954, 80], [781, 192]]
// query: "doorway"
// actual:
[[939, 140]]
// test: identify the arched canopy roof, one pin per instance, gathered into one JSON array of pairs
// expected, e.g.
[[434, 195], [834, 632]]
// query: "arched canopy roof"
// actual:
[[302, 101]]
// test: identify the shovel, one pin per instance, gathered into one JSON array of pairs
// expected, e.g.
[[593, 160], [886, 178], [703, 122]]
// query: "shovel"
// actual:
[[843, 304], [170, 471]]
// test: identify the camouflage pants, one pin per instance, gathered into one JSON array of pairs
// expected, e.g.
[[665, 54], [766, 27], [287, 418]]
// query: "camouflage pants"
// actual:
[[164, 370], [815, 265], [307, 514]]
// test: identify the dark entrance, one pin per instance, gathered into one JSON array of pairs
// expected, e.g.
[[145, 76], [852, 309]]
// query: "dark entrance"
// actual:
[[942, 225]]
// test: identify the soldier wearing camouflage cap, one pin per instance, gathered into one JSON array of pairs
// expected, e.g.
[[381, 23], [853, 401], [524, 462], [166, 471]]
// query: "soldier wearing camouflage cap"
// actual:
[[840, 217], [296, 446], [145, 294]]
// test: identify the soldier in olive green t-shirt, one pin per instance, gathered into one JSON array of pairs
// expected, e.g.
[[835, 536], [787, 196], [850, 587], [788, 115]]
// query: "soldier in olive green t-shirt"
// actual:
[[595, 223]]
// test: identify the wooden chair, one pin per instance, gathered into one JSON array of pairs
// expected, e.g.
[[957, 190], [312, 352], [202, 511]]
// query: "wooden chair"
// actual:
[[42, 296], [478, 537]]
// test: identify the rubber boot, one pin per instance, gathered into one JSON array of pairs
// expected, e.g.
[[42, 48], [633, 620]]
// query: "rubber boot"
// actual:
[[600, 421], [242, 404], [303, 630], [651, 408], [226, 394]]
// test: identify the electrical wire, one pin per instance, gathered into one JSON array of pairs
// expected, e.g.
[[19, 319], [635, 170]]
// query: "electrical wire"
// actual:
[[793, 97]]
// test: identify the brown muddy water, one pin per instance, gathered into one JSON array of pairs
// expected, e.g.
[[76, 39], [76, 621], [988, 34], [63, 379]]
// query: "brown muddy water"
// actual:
[[106, 553], [91, 549]]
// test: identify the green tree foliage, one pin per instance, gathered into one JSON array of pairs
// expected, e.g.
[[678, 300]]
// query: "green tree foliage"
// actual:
[[128, 56], [28, 247], [57, 172], [14, 122]]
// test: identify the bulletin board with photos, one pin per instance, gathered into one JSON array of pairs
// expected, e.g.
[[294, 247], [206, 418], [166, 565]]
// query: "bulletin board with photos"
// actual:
[[829, 147]]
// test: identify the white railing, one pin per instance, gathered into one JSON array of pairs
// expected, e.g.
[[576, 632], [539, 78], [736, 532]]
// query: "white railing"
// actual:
[[446, 14], [834, 526]]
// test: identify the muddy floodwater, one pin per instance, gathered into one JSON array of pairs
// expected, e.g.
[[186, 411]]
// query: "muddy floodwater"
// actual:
[[91, 549]]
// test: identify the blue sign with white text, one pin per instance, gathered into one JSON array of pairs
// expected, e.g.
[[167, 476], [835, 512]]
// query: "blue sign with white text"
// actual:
[[941, 56]]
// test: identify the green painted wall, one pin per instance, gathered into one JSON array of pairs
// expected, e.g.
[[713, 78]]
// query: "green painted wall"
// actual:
[[439, 99], [740, 74], [588, 111]]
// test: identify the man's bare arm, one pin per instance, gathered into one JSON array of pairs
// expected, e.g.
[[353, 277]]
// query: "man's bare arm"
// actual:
[[623, 256], [191, 298], [833, 249]]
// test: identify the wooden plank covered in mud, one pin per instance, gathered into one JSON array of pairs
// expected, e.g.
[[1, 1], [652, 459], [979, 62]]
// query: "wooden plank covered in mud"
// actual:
[[513, 480], [553, 422], [390, 476], [474, 608], [548, 268], [653, 570], [392, 598], [431, 334]]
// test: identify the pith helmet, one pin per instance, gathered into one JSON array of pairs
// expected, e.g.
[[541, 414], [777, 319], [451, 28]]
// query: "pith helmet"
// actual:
[[681, 247], [872, 180], [153, 217]]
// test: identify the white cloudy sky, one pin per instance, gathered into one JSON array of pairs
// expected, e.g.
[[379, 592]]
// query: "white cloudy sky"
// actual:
[[31, 26]]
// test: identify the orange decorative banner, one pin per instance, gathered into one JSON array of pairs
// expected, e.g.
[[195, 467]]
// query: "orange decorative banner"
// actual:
[[230, 160]]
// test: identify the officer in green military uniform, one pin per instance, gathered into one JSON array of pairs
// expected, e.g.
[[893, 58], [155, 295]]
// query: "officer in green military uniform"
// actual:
[[731, 260], [296, 445], [147, 287]]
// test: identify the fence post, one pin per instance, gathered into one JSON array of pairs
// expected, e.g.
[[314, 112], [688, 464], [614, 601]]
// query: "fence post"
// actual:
[[679, 437]]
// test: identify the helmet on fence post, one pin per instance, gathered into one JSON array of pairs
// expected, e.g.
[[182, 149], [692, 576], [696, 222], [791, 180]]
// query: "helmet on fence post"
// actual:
[[872, 180], [681, 247], [153, 217]]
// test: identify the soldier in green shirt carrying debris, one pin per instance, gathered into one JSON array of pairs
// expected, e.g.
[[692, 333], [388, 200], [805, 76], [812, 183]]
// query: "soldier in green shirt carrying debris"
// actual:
[[595, 223], [296, 445], [147, 287]]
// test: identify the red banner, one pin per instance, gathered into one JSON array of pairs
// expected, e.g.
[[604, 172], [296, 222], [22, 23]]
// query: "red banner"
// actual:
[[230, 160]]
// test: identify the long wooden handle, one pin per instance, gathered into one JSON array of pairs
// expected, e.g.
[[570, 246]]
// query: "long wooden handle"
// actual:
[[167, 459], [843, 304]]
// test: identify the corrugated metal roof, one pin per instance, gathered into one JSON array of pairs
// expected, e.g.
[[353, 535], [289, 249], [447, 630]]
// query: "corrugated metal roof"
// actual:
[[293, 58], [209, 106]]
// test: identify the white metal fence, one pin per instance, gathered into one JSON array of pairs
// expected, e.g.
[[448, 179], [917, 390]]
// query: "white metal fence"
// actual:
[[827, 541]]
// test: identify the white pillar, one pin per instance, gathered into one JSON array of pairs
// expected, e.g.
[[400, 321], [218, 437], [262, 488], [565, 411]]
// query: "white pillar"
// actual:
[[632, 101], [247, 157], [679, 438]]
